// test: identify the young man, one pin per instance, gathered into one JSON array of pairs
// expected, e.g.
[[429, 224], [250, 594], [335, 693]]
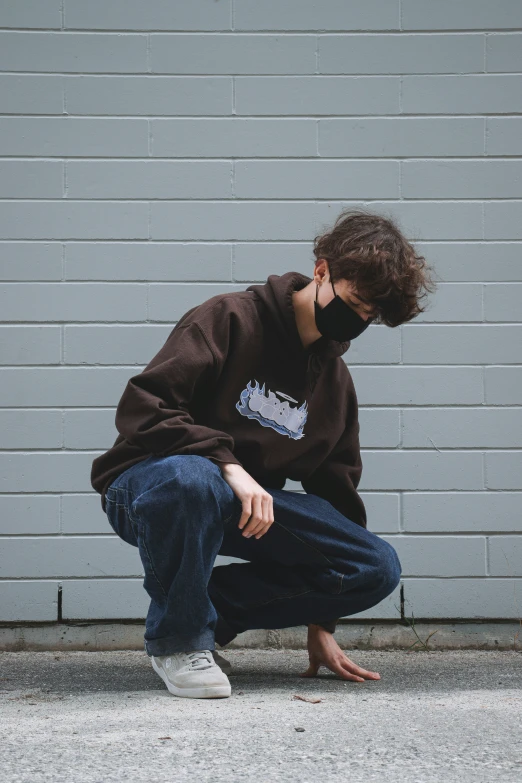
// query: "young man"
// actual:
[[251, 389]]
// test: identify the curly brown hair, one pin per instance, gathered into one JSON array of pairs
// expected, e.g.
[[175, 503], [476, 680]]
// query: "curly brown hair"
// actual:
[[370, 251]]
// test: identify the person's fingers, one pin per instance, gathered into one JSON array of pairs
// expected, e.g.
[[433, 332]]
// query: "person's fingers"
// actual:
[[247, 511], [354, 669], [268, 518], [260, 517], [338, 668], [255, 517]]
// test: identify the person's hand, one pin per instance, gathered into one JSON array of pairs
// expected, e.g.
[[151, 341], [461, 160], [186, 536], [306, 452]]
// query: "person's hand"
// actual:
[[258, 506], [323, 650]]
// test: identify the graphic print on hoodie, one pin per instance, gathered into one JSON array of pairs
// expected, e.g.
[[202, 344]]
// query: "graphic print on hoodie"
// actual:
[[234, 383], [271, 412]]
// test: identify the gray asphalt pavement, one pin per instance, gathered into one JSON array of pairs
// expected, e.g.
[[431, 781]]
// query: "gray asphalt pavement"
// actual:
[[74, 717]]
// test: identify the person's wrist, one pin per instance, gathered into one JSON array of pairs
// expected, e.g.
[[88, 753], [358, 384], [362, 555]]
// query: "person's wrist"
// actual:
[[230, 467]]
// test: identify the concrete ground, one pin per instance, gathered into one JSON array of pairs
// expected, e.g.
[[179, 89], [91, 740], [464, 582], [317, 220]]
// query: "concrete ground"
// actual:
[[107, 716]]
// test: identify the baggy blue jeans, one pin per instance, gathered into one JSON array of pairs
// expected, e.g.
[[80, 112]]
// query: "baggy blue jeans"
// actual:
[[312, 564]]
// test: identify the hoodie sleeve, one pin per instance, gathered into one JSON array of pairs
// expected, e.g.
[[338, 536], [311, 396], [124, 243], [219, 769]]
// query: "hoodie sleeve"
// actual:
[[154, 412], [338, 477]]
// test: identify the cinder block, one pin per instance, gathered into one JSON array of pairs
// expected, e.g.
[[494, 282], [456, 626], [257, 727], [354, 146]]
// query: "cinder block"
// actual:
[[316, 179], [461, 94], [40, 471], [453, 303], [73, 52], [503, 385], [28, 94], [23, 429], [305, 95], [155, 15], [379, 428], [480, 428], [444, 556], [505, 554], [503, 302], [504, 51], [224, 221], [74, 220], [168, 302], [90, 429], [473, 261], [82, 514], [144, 95], [461, 512], [31, 179], [73, 136], [233, 137], [232, 53], [32, 601], [144, 261], [32, 14], [63, 556], [30, 344], [421, 219], [503, 219], [438, 53], [29, 515], [382, 510], [461, 179], [418, 385], [152, 179], [462, 598], [328, 15], [422, 470], [378, 137], [64, 387], [113, 345], [30, 261], [503, 469], [104, 599], [462, 344], [254, 262], [74, 302], [464, 15], [503, 135]]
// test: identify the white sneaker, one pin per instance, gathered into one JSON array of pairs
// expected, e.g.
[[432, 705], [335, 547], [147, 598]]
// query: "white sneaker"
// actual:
[[193, 674]]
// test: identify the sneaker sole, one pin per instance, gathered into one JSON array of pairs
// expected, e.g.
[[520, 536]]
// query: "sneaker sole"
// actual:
[[208, 692]]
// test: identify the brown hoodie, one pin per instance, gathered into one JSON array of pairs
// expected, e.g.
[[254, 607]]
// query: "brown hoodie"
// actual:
[[234, 383]]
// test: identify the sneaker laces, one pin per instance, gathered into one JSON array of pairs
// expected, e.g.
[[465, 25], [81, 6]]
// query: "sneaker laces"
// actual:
[[201, 659]]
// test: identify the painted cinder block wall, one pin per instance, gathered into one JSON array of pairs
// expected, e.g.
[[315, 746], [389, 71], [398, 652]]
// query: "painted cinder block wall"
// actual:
[[155, 154]]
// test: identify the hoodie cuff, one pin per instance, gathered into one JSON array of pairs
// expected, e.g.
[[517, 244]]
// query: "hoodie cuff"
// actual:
[[223, 455], [328, 625]]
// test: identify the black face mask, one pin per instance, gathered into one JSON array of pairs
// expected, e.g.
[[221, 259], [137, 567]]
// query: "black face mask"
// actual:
[[337, 320]]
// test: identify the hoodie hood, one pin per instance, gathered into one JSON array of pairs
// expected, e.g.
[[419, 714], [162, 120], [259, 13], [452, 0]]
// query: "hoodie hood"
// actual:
[[276, 294]]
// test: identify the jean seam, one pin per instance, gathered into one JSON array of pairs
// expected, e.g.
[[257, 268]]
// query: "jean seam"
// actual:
[[118, 505], [280, 598], [138, 521], [310, 546]]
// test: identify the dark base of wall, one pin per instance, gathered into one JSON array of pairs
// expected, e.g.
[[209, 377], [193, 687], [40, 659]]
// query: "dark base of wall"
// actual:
[[428, 635]]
